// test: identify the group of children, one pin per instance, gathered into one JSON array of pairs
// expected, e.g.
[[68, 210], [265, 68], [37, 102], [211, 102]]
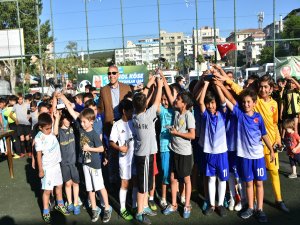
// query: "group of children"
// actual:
[[232, 139]]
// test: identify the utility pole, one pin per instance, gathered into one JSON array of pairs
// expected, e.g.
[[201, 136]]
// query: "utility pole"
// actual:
[[123, 42], [158, 19], [197, 39], [214, 19], [274, 37], [235, 40], [39, 41], [52, 31], [87, 32]]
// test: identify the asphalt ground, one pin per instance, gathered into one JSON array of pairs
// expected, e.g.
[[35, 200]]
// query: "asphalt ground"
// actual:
[[20, 200]]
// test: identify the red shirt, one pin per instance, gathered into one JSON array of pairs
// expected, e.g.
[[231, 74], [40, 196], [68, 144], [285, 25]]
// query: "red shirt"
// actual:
[[291, 140]]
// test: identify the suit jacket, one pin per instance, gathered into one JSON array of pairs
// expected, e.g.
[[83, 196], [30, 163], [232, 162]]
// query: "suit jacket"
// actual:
[[106, 107]]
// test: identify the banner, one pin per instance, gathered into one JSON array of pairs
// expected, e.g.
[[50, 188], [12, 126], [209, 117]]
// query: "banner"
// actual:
[[288, 66], [97, 77]]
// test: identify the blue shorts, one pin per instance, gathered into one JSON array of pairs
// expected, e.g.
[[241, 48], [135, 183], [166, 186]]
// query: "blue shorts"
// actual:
[[165, 167], [217, 165], [252, 169], [232, 160]]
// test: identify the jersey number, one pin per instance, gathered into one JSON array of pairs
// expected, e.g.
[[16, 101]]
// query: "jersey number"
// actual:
[[225, 173], [260, 172]]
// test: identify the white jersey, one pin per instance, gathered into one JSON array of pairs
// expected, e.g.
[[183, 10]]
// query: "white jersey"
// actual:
[[49, 146], [121, 132]]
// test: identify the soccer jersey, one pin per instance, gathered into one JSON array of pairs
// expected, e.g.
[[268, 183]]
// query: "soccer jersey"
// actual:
[[144, 132], [121, 132], [166, 119], [49, 146], [215, 133], [182, 123], [250, 129], [21, 113]]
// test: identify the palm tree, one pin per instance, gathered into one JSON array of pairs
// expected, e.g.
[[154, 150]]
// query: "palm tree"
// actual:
[[188, 63]]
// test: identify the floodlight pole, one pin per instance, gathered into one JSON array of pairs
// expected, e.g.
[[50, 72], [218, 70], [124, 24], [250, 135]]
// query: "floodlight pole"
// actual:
[[87, 32], [39, 41], [52, 31]]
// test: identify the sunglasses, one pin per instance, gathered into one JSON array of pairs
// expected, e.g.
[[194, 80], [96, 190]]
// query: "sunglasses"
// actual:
[[112, 73]]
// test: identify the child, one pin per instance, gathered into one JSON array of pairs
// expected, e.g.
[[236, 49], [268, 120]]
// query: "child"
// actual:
[[66, 137], [48, 159], [250, 150], [145, 147], [121, 139], [91, 146], [182, 133], [214, 145], [292, 142]]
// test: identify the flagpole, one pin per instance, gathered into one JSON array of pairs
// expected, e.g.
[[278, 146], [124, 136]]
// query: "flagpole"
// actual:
[[214, 21], [235, 41]]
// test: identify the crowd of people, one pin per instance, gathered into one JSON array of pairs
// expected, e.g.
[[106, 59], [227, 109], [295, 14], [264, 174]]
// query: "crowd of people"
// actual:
[[228, 134]]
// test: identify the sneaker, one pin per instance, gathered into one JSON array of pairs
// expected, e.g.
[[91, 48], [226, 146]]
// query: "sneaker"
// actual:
[[152, 205], [163, 205], [107, 215], [292, 176], [182, 200], [209, 210], [16, 156], [79, 201], [247, 213], [261, 216], [169, 210], [231, 204], [70, 207], [62, 209], [149, 212], [126, 215], [76, 210], [221, 211], [95, 214], [280, 205], [47, 218], [204, 206], [187, 212], [238, 207], [141, 218]]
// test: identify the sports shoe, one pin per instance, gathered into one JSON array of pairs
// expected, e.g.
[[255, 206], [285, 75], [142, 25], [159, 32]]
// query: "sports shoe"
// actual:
[[141, 218], [292, 176], [147, 211], [107, 215], [209, 210], [261, 216], [187, 212], [62, 209], [247, 213], [95, 214], [79, 201], [169, 210], [16, 156], [182, 200], [76, 210], [126, 215], [204, 206], [281, 205], [231, 204], [152, 205], [238, 207], [47, 218], [221, 211], [70, 207]]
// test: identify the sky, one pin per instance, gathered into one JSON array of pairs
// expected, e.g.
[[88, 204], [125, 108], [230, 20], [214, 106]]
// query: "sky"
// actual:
[[141, 18]]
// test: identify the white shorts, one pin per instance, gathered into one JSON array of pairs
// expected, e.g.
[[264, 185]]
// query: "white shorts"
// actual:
[[125, 171], [52, 177], [93, 178]]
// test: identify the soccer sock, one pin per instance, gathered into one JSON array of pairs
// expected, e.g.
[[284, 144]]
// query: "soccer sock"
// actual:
[[221, 191], [60, 202], [212, 190], [231, 184], [122, 195], [151, 198], [134, 197], [276, 184], [46, 211]]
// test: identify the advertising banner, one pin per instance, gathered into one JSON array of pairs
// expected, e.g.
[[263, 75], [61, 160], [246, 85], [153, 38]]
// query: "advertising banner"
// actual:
[[288, 66]]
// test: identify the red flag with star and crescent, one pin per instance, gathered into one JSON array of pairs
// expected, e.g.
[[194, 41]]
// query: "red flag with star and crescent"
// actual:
[[225, 48]]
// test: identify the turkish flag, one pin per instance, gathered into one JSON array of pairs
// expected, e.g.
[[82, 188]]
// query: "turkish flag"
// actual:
[[224, 48]]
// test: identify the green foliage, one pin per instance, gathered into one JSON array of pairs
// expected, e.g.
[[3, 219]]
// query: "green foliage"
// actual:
[[188, 63], [292, 30], [200, 59]]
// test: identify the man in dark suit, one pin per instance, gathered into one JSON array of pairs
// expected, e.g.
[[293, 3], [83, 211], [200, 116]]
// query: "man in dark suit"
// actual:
[[110, 97]]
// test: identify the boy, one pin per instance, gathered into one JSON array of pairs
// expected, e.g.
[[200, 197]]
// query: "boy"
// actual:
[[145, 147], [121, 139], [250, 150], [91, 146], [292, 142], [48, 159]]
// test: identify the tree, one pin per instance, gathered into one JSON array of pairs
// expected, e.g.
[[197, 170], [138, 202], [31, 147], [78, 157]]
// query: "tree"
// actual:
[[28, 21], [291, 30], [178, 66], [188, 63], [266, 54], [72, 49]]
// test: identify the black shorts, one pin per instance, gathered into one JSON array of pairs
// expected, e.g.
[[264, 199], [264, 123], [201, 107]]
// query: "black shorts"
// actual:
[[70, 172], [182, 165], [144, 172], [295, 160], [24, 129]]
